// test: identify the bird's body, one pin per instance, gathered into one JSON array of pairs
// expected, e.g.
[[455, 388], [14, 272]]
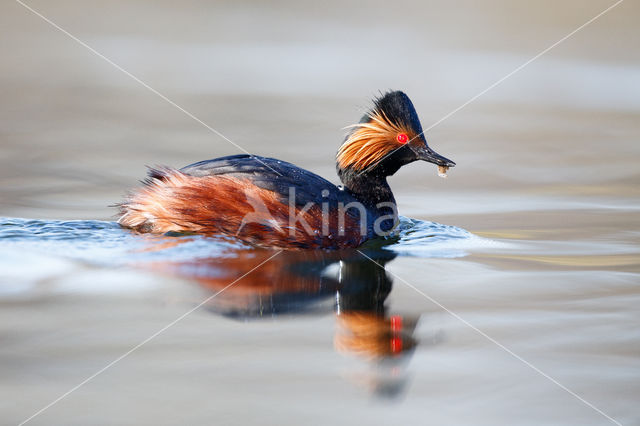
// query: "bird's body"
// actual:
[[269, 202], [260, 200]]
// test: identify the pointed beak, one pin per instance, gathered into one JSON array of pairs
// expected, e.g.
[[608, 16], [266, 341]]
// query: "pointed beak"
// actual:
[[427, 154]]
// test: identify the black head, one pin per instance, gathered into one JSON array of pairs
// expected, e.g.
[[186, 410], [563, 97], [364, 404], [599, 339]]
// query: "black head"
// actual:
[[386, 138]]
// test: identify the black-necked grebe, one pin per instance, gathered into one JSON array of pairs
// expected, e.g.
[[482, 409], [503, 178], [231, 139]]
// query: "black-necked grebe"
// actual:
[[273, 203]]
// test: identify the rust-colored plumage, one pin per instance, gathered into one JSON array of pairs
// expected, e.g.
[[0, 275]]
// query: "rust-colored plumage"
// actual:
[[172, 201]]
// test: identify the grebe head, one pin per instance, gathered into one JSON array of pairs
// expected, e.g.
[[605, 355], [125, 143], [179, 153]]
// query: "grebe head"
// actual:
[[386, 138]]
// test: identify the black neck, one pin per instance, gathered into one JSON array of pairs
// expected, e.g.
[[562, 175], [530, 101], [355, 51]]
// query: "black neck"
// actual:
[[369, 189]]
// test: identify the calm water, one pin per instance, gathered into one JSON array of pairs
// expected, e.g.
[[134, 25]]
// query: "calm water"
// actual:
[[525, 262]]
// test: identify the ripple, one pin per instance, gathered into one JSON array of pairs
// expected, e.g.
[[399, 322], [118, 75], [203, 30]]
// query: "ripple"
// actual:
[[420, 238], [101, 242]]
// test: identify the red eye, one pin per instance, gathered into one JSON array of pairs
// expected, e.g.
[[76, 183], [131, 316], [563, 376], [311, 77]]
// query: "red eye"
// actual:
[[402, 138]]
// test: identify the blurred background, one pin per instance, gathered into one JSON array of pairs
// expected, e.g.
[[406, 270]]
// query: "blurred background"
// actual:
[[548, 159], [283, 79]]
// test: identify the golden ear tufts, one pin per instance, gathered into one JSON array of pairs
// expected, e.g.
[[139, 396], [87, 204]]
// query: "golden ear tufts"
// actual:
[[369, 142]]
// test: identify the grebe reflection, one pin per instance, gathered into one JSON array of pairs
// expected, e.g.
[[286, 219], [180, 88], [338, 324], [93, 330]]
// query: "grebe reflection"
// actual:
[[314, 283]]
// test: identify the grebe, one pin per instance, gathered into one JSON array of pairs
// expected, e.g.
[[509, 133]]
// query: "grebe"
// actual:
[[268, 202]]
